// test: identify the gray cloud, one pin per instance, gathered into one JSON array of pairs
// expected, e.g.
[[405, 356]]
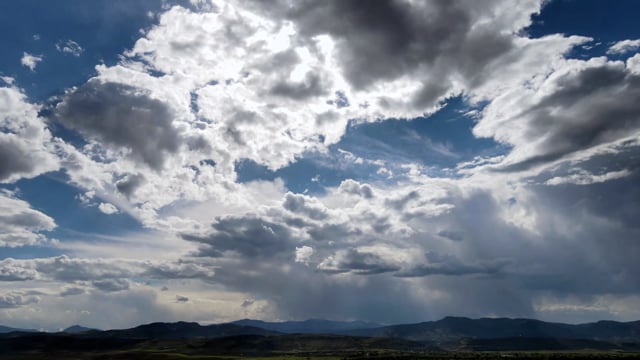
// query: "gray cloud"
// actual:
[[72, 290], [359, 262], [109, 285], [11, 270], [16, 299], [14, 158], [386, 40], [580, 107], [122, 116], [128, 185], [249, 237], [299, 204], [439, 264]]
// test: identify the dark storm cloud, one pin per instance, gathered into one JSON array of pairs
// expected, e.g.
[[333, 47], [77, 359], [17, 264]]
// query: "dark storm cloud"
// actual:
[[248, 237], [120, 115], [439, 264]]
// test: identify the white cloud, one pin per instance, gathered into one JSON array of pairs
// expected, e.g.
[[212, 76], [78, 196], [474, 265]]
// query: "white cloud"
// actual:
[[582, 177], [26, 146], [20, 225], [624, 46], [30, 61], [108, 208], [69, 47], [303, 254]]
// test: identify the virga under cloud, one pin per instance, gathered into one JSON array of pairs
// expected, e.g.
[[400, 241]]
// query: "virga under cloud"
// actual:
[[209, 159]]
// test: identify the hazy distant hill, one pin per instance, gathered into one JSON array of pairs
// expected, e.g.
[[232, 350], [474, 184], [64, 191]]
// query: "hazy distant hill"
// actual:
[[452, 328], [311, 326], [6, 329], [75, 329], [181, 330]]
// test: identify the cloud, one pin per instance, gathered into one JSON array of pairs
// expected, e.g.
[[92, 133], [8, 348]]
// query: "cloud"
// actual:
[[357, 261], [109, 285], [108, 208], [581, 105], [122, 117], [20, 225], [582, 177], [72, 290], [30, 61], [353, 187], [17, 299], [303, 254], [26, 146], [69, 47], [439, 264], [623, 47]]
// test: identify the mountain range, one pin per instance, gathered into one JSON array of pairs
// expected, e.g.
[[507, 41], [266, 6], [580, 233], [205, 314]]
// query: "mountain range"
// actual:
[[457, 333]]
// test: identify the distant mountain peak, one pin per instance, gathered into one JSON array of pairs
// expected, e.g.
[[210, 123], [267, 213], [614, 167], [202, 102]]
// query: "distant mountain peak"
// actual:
[[74, 329]]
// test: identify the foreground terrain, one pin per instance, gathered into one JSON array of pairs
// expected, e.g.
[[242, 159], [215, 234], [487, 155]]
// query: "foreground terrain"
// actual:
[[451, 337]]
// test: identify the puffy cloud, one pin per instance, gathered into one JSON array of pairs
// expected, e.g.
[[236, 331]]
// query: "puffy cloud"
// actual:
[[108, 208], [123, 117], [20, 225], [303, 254], [624, 46], [26, 146], [353, 187], [17, 299], [30, 61]]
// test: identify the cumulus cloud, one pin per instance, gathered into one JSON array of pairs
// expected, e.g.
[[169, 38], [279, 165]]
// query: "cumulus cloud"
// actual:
[[272, 83], [30, 61], [26, 146], [108, 208], [303, 254], [20, 225], [17, 299], [624, 46], [123, 117]]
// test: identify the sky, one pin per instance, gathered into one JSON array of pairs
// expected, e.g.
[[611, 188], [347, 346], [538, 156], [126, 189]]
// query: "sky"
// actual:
[[389, 161]]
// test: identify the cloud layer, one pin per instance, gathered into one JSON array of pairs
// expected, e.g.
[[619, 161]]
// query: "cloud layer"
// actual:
[[542, 224]]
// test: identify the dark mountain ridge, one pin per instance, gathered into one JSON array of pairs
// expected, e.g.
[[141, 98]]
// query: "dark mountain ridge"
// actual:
[[452, 328], [310, 326]]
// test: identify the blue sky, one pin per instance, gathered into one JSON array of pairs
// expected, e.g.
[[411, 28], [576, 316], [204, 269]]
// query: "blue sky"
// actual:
[[307, 160]]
